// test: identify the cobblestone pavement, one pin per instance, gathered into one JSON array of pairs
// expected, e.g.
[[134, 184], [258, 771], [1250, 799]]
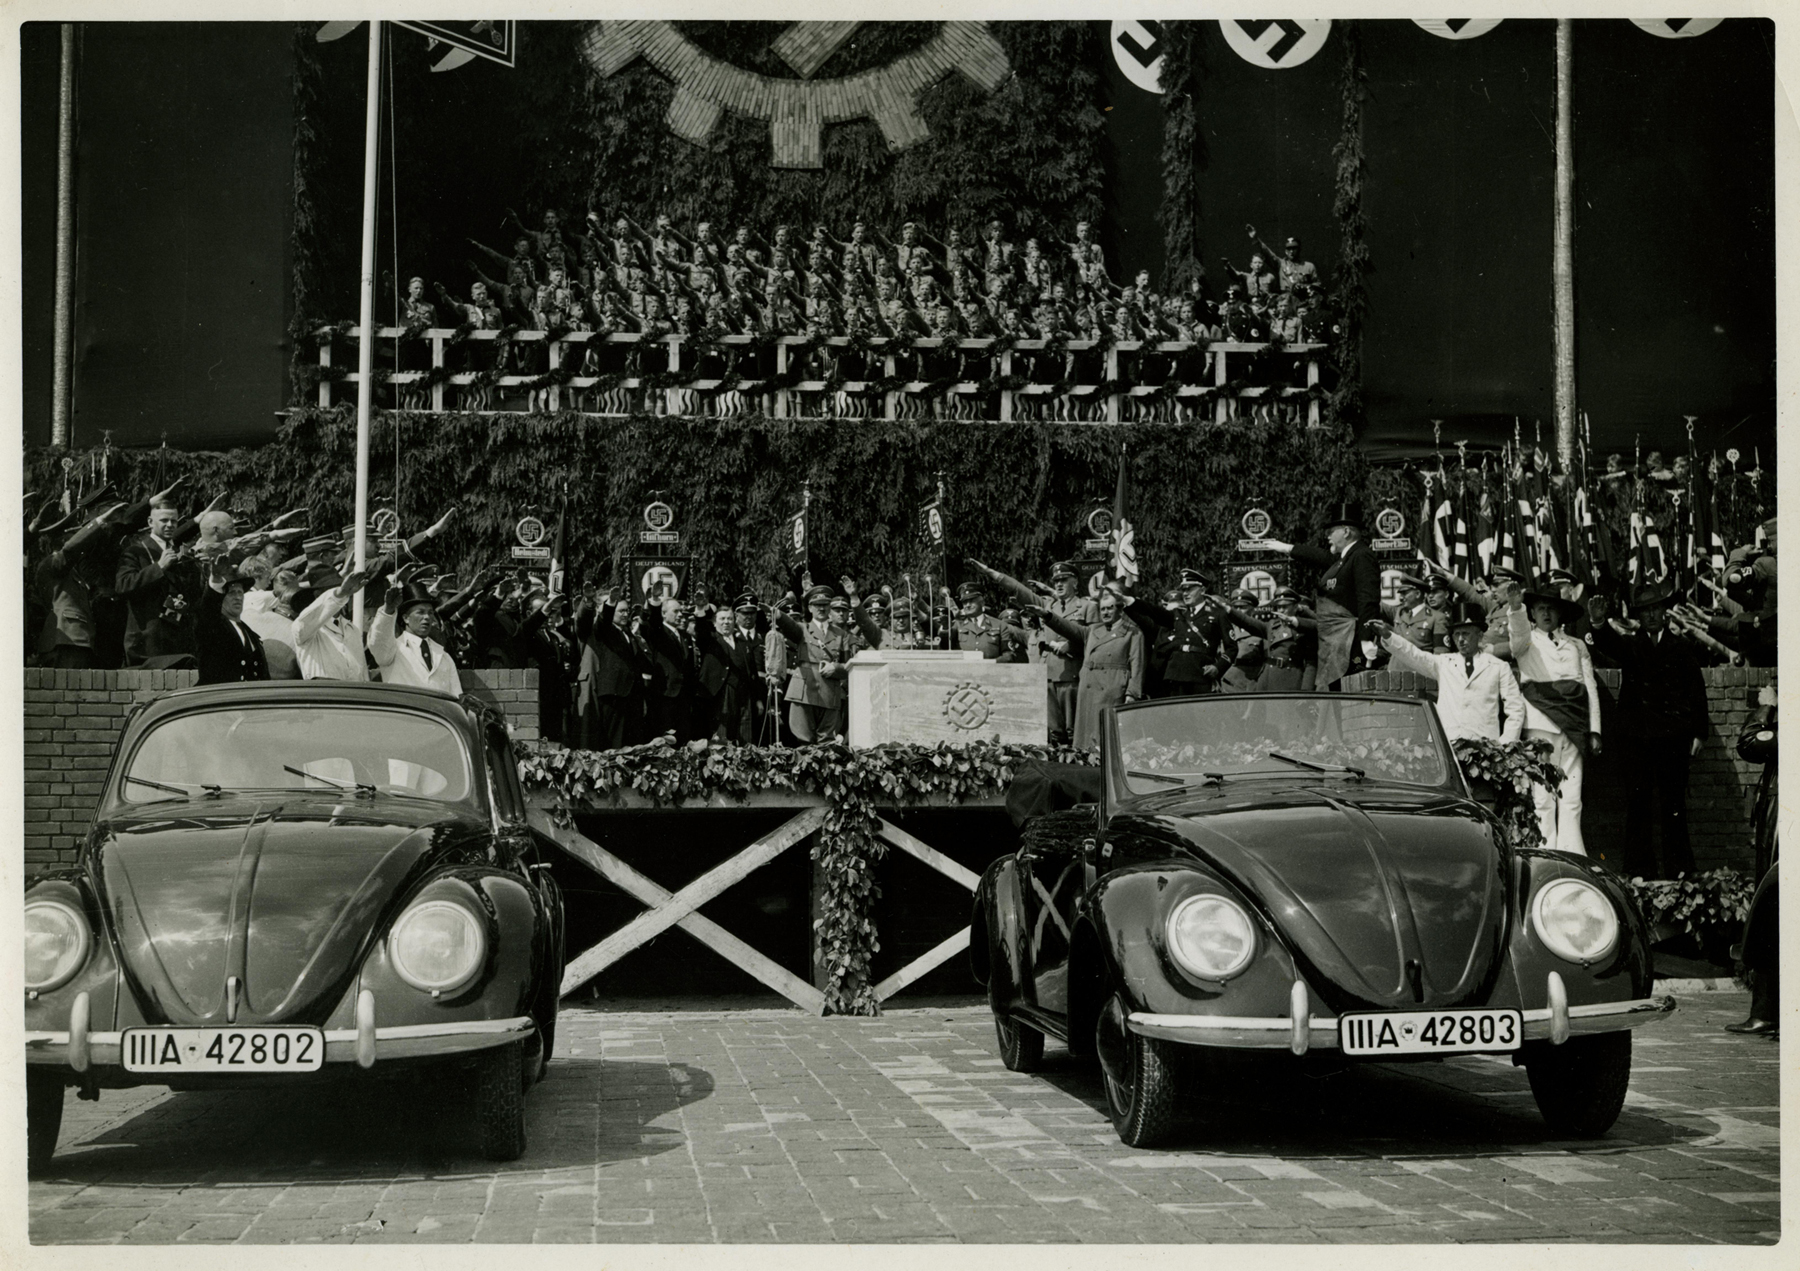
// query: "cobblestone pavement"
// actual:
[[767, 1125]]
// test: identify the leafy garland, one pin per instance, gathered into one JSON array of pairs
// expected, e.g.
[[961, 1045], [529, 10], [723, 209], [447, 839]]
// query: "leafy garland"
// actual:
[[1017, 492], [1512, 770], [1705, 904], [1181, 142], [854, 784], [1349, 296]]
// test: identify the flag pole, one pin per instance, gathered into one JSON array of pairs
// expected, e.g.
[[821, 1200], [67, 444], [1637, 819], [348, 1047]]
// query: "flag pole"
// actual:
[[1563, 260], [365, 356]]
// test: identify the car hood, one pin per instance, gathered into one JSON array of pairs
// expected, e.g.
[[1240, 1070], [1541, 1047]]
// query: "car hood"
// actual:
[[282, 893], [1395, 897]]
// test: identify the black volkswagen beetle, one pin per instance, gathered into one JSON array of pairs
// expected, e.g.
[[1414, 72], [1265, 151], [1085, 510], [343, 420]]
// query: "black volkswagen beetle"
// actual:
[[1304, 873], [298, 880]]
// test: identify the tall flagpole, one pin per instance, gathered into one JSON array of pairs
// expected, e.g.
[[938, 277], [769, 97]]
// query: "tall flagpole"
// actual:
[[365, 357], [62, 381], [1563, 268]]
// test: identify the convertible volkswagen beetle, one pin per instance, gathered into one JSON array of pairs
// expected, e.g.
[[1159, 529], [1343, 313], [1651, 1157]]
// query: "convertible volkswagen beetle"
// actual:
[[1308, 874], [289, 881]]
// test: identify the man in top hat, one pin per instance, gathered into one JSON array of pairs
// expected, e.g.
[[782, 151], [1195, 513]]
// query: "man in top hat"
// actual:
[[1416, 621], [1061, 660], [731, 672], [976, 630], [1663, 718], [1562, 703], [1349, 594], [228, 650], [1477, 694], [411, 656], [818, 651]]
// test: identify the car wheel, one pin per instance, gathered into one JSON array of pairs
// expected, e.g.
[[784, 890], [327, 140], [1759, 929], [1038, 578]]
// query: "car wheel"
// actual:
[[1580, 1085], [1021, 1046], [43, 1117], [1139, 1076], [547, 1044], [500, 1101]]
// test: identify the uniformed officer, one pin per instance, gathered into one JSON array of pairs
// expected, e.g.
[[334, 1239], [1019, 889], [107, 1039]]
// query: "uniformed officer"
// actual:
[[1197, 655], [1416, 622], [1062, 662], [976, 630], [818, 651]]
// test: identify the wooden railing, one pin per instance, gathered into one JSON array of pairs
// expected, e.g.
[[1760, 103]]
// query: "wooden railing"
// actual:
[[1213, 394]]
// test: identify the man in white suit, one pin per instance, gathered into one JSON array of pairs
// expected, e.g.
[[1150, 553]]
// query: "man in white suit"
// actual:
[[412, 656], [1477, 694]]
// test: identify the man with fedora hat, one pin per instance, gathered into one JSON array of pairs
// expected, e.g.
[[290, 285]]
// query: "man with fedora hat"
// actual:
[[411, 656], [1061, 660], [1562, 703], [1662, 708], [1349, 592], [228, 651], [1477, 694]]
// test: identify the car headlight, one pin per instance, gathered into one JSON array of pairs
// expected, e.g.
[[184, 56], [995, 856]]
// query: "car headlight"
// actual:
[[1575, 920], [437, 946], [1211, 937], [57, 939]]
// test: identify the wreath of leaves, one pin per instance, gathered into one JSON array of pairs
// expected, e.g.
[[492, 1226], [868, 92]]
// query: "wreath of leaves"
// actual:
[[854, 785], [1513, 770]]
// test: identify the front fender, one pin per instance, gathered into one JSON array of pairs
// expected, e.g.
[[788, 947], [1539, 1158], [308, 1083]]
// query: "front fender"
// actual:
[[504, 988], [1125, 914], [998, 934], [99, 975], [1623, 975]]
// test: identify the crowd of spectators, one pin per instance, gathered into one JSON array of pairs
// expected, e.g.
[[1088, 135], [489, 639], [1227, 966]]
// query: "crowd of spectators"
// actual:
[[143, 585], [657, 281]]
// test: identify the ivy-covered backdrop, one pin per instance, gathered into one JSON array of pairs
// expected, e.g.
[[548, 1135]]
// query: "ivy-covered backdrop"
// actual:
[[1016, 492]]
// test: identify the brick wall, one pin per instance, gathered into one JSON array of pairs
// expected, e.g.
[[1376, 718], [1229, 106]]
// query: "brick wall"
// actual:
[[73, 720], [1719, 783]]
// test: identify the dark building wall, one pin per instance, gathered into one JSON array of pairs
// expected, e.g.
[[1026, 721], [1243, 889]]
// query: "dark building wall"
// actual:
[[184, 195]]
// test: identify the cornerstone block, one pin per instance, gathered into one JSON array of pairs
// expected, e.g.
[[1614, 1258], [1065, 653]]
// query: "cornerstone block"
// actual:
[[927, 696]]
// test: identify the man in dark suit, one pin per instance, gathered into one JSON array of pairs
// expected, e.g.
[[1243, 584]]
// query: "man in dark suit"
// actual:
[[1349, 593], [155, 580], [1663, 720], [610, 685], [731, 673], [229, 651], [672, 653]]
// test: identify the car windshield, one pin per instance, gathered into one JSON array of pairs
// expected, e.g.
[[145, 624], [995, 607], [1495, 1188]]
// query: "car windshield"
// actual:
[[353, 748], [1162, 746]]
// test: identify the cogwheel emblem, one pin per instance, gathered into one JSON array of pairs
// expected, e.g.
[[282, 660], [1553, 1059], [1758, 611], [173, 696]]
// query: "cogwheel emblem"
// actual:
[[799, 109], [967, 706]]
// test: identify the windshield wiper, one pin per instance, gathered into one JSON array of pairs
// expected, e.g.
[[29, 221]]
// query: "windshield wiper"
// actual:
[[1211, 777], [1317, 767], [360, 787], [160, 785]]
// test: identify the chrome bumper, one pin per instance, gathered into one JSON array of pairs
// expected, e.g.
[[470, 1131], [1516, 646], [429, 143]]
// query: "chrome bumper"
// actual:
[[1300, 1031], [80, 1048]]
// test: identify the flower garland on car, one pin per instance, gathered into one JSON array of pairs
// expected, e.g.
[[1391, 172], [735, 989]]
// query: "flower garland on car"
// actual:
[[854, 785], [1511, 769]]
